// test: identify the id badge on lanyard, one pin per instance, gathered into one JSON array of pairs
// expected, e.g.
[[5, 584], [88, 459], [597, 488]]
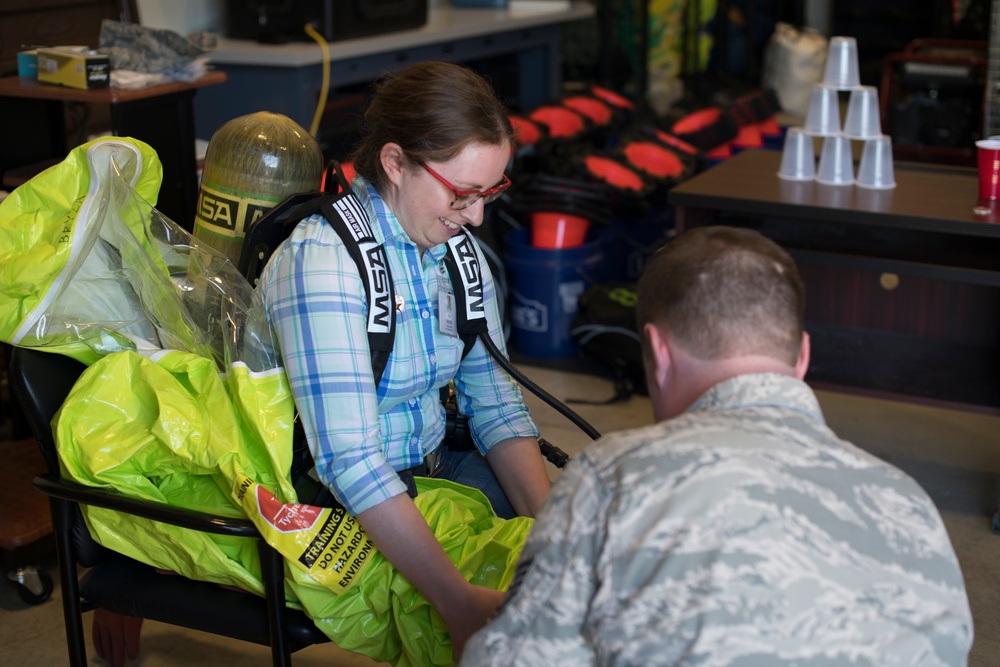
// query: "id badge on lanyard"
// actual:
[[447, 308]]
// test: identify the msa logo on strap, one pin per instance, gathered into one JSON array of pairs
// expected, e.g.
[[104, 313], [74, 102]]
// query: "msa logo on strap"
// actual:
[[377, 276], [470, 273], [372, 261], [356, 219]]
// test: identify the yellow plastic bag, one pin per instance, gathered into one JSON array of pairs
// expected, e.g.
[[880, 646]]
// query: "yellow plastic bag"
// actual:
[[55, 269]]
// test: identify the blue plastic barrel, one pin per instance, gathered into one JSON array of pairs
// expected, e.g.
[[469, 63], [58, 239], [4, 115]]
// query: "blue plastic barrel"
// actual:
[[545, 285]]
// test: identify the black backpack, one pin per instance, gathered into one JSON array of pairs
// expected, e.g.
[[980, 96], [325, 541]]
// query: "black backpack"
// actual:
[[604, 330]]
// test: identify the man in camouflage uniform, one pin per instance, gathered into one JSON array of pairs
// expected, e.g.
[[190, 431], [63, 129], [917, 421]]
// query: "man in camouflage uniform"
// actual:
[[738, 530]]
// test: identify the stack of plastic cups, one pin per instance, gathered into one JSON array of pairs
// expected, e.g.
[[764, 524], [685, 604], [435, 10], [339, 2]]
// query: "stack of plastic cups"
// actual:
[[836, 166]]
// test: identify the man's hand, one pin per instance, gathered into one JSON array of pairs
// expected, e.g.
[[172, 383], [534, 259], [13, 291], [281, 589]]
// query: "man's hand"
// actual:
[[116, 636]]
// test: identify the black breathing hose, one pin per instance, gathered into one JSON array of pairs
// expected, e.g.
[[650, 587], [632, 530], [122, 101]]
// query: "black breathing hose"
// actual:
[[536, 390]]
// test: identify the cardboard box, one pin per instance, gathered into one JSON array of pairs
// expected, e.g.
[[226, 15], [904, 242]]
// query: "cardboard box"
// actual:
[[73, 68]]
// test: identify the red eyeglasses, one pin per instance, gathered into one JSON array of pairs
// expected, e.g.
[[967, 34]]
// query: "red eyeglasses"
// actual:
[[466, 198]]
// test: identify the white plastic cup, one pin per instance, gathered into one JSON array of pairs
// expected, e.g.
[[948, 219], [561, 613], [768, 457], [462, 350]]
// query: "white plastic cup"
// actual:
[[823, 118], [871, 200], [836, 166], [836, 198], [875, 171], [798, 159], [862, 119], [841, 70]]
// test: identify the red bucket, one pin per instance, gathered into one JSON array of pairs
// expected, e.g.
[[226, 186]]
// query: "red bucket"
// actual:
[[554, 230]]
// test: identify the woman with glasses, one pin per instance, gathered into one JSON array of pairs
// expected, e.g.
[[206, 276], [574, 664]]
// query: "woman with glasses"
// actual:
[[435, 145]]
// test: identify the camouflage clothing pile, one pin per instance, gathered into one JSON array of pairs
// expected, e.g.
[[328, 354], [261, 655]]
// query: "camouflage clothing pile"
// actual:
[[151, 55]]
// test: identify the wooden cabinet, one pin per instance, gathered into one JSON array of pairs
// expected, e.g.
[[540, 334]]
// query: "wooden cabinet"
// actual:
[[902, 285]]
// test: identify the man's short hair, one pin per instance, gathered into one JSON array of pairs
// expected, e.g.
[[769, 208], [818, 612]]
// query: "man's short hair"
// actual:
[[723, 292]]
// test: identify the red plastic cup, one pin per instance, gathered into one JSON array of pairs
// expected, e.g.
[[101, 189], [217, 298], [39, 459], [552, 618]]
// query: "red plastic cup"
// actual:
[[988, 151], [553, 230]]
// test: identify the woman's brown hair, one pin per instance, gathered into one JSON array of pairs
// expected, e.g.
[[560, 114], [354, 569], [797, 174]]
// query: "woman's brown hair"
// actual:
[[432, 110]]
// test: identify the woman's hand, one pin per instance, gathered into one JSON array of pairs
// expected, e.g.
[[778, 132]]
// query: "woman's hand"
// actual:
[[401, 533]]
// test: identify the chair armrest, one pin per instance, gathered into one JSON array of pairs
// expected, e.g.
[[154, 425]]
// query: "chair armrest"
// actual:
[[56, 487]]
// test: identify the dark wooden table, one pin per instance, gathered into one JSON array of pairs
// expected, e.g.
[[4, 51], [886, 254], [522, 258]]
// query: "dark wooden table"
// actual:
[[902, 285], [33, 132]]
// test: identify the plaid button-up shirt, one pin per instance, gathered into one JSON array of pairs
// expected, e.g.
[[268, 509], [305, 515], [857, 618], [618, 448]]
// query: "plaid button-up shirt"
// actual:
[[360, 435]]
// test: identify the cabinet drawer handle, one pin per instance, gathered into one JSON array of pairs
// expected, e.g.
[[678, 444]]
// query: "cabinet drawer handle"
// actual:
[[888, 281]]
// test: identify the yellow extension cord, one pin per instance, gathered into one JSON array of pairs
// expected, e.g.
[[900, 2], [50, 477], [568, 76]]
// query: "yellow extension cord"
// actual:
[[325, 86]]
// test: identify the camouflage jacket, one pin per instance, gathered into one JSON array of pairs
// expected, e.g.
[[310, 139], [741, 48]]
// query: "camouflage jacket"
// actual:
[[743, 532]]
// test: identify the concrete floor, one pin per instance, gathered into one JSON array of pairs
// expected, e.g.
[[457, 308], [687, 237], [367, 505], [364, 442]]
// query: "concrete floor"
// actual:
[[955, 455]]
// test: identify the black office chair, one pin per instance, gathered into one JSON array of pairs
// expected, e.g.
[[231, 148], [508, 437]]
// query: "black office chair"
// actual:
[[41, 381]]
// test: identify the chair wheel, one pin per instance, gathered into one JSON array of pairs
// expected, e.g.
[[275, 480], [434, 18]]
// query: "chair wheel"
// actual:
[[996, 522], [40, 588]]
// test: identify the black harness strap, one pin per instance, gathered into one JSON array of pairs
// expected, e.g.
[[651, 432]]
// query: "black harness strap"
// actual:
[[465, 270], [347, 216]]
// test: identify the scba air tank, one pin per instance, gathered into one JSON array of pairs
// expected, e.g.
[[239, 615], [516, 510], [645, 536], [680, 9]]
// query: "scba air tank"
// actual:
[[252, 163]]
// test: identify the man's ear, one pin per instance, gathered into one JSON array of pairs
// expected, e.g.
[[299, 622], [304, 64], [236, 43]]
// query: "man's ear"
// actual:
[[659, 361], [394, 161], [802, 363]]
